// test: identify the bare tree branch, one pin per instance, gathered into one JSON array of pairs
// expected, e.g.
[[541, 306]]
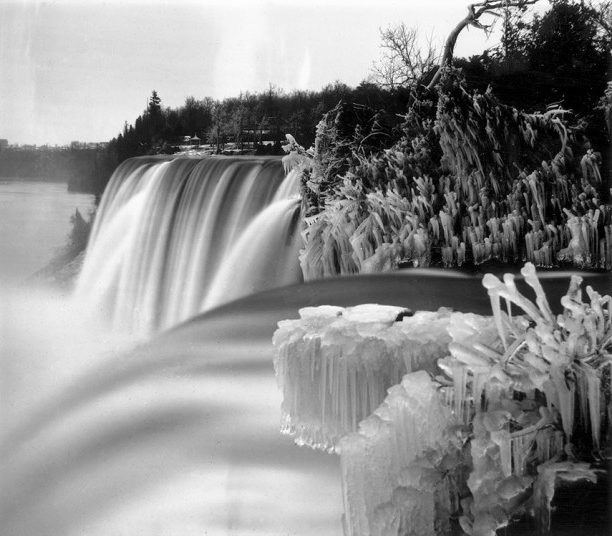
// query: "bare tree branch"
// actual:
[[604, 16], [475, 11], [403, 61]]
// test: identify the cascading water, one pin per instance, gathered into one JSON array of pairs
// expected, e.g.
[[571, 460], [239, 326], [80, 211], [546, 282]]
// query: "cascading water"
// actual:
[[174, 237]]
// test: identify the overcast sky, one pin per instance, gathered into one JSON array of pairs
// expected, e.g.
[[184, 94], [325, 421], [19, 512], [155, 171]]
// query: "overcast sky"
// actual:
[[76, 70]]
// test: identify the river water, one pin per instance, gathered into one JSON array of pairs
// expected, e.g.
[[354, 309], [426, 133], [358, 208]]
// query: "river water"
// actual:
[[34, 225]]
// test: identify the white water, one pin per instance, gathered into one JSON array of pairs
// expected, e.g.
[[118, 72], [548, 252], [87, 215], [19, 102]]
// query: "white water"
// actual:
[[175, 237], [265, 253], [179, 436]]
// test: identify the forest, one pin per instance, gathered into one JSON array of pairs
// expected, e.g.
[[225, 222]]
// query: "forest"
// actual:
[[251, 122]]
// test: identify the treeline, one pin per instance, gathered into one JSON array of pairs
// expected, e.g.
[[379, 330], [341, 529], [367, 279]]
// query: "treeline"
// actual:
[[250, 118], [251, 122]]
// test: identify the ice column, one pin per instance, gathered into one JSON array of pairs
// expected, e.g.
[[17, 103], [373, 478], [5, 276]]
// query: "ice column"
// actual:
[[399, 472], [334, 365]]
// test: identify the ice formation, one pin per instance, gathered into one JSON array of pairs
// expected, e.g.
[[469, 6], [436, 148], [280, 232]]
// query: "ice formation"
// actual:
[[516, 392], [398, 471], [334, 365], [491, 413]]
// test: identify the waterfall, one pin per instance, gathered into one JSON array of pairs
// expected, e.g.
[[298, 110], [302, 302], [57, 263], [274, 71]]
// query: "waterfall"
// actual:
[[178, 235]]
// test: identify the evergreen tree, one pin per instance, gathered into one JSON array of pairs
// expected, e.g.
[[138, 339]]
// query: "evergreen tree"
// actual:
[[154, 107]]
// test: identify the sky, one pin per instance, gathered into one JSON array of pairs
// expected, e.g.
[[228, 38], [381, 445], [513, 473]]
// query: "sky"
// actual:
[[78, 69]]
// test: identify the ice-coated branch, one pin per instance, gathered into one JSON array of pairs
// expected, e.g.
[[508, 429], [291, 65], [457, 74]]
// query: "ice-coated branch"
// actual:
[[297, 157]]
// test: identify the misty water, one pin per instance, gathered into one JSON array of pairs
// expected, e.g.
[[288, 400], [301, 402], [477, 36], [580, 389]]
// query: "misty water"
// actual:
[[104, 434]]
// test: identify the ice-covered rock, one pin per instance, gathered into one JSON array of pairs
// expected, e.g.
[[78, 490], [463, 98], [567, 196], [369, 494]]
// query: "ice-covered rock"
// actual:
[[399, 471], [491, 414], [334, 365]]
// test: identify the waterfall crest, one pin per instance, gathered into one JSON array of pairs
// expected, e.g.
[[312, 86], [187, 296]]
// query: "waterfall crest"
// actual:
[[177, 235]]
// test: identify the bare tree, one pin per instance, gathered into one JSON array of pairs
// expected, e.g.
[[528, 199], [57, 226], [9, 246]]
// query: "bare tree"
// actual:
[[403, 60], [604, 15], [475, 11]]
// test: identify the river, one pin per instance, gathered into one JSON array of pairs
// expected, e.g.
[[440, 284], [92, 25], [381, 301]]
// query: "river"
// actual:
[[34, 225]]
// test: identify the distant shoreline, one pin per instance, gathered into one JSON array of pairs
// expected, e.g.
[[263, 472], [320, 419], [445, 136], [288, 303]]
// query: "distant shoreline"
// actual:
[[4, 180]]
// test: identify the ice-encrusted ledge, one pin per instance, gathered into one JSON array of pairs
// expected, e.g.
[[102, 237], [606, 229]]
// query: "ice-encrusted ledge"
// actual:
[[448, 419], [334, 365]]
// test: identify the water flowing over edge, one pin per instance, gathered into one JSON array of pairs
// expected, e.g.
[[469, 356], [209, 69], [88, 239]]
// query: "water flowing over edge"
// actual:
[[177, 236]]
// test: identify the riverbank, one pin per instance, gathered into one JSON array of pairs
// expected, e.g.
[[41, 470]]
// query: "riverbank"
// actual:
[[61, 272]]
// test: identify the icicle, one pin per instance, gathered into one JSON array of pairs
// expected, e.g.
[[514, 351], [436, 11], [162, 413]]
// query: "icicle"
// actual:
[[492, 284], [566, 397], [593, 385], [520, 444], [335, 365], [395, 469], [503, 440], [447, 256], [529, 273], [461, 404]]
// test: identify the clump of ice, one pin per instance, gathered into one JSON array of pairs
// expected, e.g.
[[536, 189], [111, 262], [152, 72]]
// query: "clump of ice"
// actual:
[[334, 365], [398, 471], [517, 392], [491, 414]]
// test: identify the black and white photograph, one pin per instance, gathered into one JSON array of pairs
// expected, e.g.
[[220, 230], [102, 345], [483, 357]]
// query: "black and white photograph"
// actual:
[[325, 268]]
